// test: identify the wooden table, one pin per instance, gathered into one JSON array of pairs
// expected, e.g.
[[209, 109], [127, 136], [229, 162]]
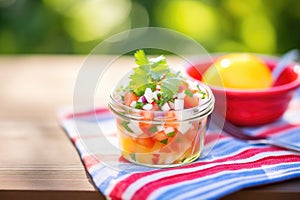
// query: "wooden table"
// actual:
[[37, 160]]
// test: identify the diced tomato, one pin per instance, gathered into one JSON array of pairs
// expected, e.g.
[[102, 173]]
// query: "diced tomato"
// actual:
[[175, 145], [170, 119], [156, 155], [166, 149], [129, 97], [147, 142], [155, 160], [146, 127], [155, 106], [180, 143], [191, 134], [183, 86], [157, 146], [190, 102], [170, 115], [173, 125], [160, 136], [148, 115]]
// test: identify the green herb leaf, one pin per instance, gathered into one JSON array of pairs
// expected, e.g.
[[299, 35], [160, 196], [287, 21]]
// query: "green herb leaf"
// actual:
[[188, 92], [169, 86], [182, 160], [140, 58], [159, 67], [165, 141], [171, 134], [153, 72], [140, 76], [139, 105], [132, 156], [125, 125], [140, 90], [204, 94], [153, 129]]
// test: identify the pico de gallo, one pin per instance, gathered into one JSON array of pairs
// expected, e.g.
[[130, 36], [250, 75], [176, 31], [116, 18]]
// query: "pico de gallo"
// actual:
[[157, 92]]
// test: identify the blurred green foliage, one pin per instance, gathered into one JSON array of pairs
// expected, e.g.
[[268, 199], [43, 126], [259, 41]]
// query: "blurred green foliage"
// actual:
[[77, 26]]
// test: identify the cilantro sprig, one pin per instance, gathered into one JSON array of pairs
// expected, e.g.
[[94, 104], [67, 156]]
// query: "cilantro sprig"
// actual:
[[153, 72]]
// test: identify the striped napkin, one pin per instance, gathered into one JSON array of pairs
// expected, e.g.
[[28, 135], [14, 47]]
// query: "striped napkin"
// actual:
[[230, 166]]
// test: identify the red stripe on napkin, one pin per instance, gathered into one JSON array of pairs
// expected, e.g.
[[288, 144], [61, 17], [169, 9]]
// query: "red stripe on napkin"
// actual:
[[86, 113], [121, 186], [147, 189], [277, 129]]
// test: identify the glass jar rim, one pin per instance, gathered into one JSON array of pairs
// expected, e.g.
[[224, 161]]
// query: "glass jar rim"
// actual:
[[202, 110]]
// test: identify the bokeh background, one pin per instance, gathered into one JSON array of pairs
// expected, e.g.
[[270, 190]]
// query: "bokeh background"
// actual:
[[77, 26]]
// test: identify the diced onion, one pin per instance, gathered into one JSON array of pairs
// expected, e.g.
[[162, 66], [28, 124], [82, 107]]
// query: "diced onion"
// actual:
[[184, 127], [181, 95], [135, 128], [165, 107], [169, 130], [133, 104], [149, 95], [171, 105], [148, 106], [179, 104]]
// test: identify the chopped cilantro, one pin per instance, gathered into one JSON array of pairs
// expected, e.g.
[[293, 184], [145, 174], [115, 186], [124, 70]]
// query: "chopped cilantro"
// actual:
[[125, 125], [140, 58], [150, 73], [169, 86], [132, 156], [171, 134], [140, 90], [188, 92], [182, 160], [165, 141], [140, 80], [139, 105], [163, 99], [156, 74], [121, 88], [153, 129], [159, 68], [201, 92], [161, 102]]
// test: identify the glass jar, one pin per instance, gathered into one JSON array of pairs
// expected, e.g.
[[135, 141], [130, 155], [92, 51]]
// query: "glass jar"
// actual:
[[161, 138]]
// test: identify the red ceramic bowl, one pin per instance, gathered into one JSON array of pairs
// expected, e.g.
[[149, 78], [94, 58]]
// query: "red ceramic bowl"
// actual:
[[252, 107]]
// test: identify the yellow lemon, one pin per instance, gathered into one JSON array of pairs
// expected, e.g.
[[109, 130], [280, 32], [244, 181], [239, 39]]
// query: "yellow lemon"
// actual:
[[239, 70]]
